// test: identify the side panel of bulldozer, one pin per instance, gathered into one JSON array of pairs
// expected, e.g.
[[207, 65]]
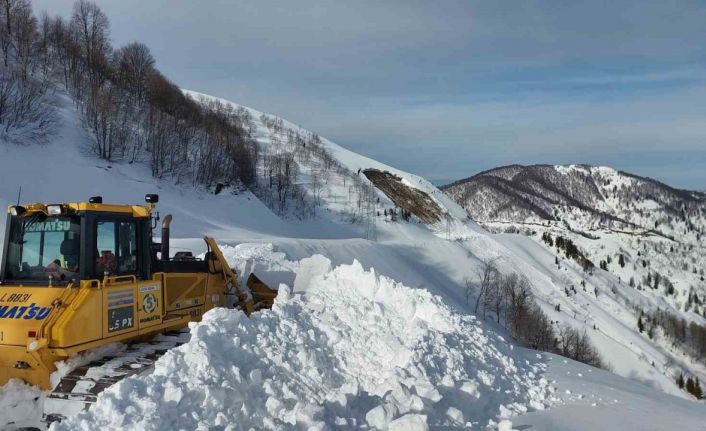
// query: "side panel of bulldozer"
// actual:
[[193, 293], [184, 290], [80, 322], [185, 293]]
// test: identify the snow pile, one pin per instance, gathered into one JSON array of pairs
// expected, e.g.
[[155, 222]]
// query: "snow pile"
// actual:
[[19, 405], [272, 267], [357, 350]]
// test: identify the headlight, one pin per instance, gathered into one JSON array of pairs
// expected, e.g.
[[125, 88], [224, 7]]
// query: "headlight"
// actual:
[[17, 210], [54, 209]]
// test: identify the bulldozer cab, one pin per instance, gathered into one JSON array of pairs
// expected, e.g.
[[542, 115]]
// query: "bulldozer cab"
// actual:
[[67, 243]]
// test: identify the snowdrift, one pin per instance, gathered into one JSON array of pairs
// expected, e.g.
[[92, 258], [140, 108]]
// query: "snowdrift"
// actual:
[[18, 404], [356, 350]]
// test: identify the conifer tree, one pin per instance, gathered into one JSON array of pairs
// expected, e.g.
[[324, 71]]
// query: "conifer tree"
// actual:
[[698, 393], [680, 381], [690, 385]]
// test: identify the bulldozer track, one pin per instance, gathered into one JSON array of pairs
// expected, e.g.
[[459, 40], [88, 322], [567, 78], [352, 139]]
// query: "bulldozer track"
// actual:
[[79, 389]]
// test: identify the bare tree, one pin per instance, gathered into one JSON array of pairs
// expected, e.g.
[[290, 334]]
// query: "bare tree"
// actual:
[[12, 12], [26, 113], [91, 27], [133, 65], [517, 292], [510, 298], [577, 345], [488, 277], [317, 185], [24, 39]]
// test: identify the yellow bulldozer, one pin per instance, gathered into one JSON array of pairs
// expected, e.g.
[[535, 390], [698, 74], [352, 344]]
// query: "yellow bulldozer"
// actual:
[[79, 276]]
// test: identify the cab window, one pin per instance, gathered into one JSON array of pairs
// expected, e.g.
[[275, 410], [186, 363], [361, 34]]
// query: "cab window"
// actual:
[[41, 248], [116, 248]]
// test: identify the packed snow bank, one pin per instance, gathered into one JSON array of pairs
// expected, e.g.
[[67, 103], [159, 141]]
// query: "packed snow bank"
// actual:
[[356, 350]]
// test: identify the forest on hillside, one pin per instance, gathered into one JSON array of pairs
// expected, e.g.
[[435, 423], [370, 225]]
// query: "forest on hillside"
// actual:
[[135, 114], [132, 110]]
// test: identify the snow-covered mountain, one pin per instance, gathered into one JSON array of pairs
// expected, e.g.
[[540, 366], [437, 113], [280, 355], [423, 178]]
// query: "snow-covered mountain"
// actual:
[[378, 330], [583, 197], [650, 235]]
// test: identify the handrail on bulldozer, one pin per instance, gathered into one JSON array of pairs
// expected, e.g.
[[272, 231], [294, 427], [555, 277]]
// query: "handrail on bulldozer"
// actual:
[[117, 279]]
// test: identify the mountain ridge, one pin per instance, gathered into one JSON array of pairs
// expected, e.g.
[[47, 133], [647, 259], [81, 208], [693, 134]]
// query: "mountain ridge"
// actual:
[[536, 192], [702, 193]]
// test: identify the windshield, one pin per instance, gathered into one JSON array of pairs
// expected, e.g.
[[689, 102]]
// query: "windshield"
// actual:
[[42, 248]]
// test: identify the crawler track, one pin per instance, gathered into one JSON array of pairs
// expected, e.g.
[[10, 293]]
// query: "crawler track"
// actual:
[[77, 390]]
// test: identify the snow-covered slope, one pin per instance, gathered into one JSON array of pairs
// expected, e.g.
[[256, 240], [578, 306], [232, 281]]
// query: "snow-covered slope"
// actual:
[[310, 344], [330, 174]]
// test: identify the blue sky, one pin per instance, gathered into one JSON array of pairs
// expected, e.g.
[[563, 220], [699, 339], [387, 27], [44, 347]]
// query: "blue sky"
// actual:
[[446, 89]]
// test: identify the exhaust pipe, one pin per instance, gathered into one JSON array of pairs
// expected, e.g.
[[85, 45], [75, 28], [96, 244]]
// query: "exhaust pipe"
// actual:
[[165, 237]]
